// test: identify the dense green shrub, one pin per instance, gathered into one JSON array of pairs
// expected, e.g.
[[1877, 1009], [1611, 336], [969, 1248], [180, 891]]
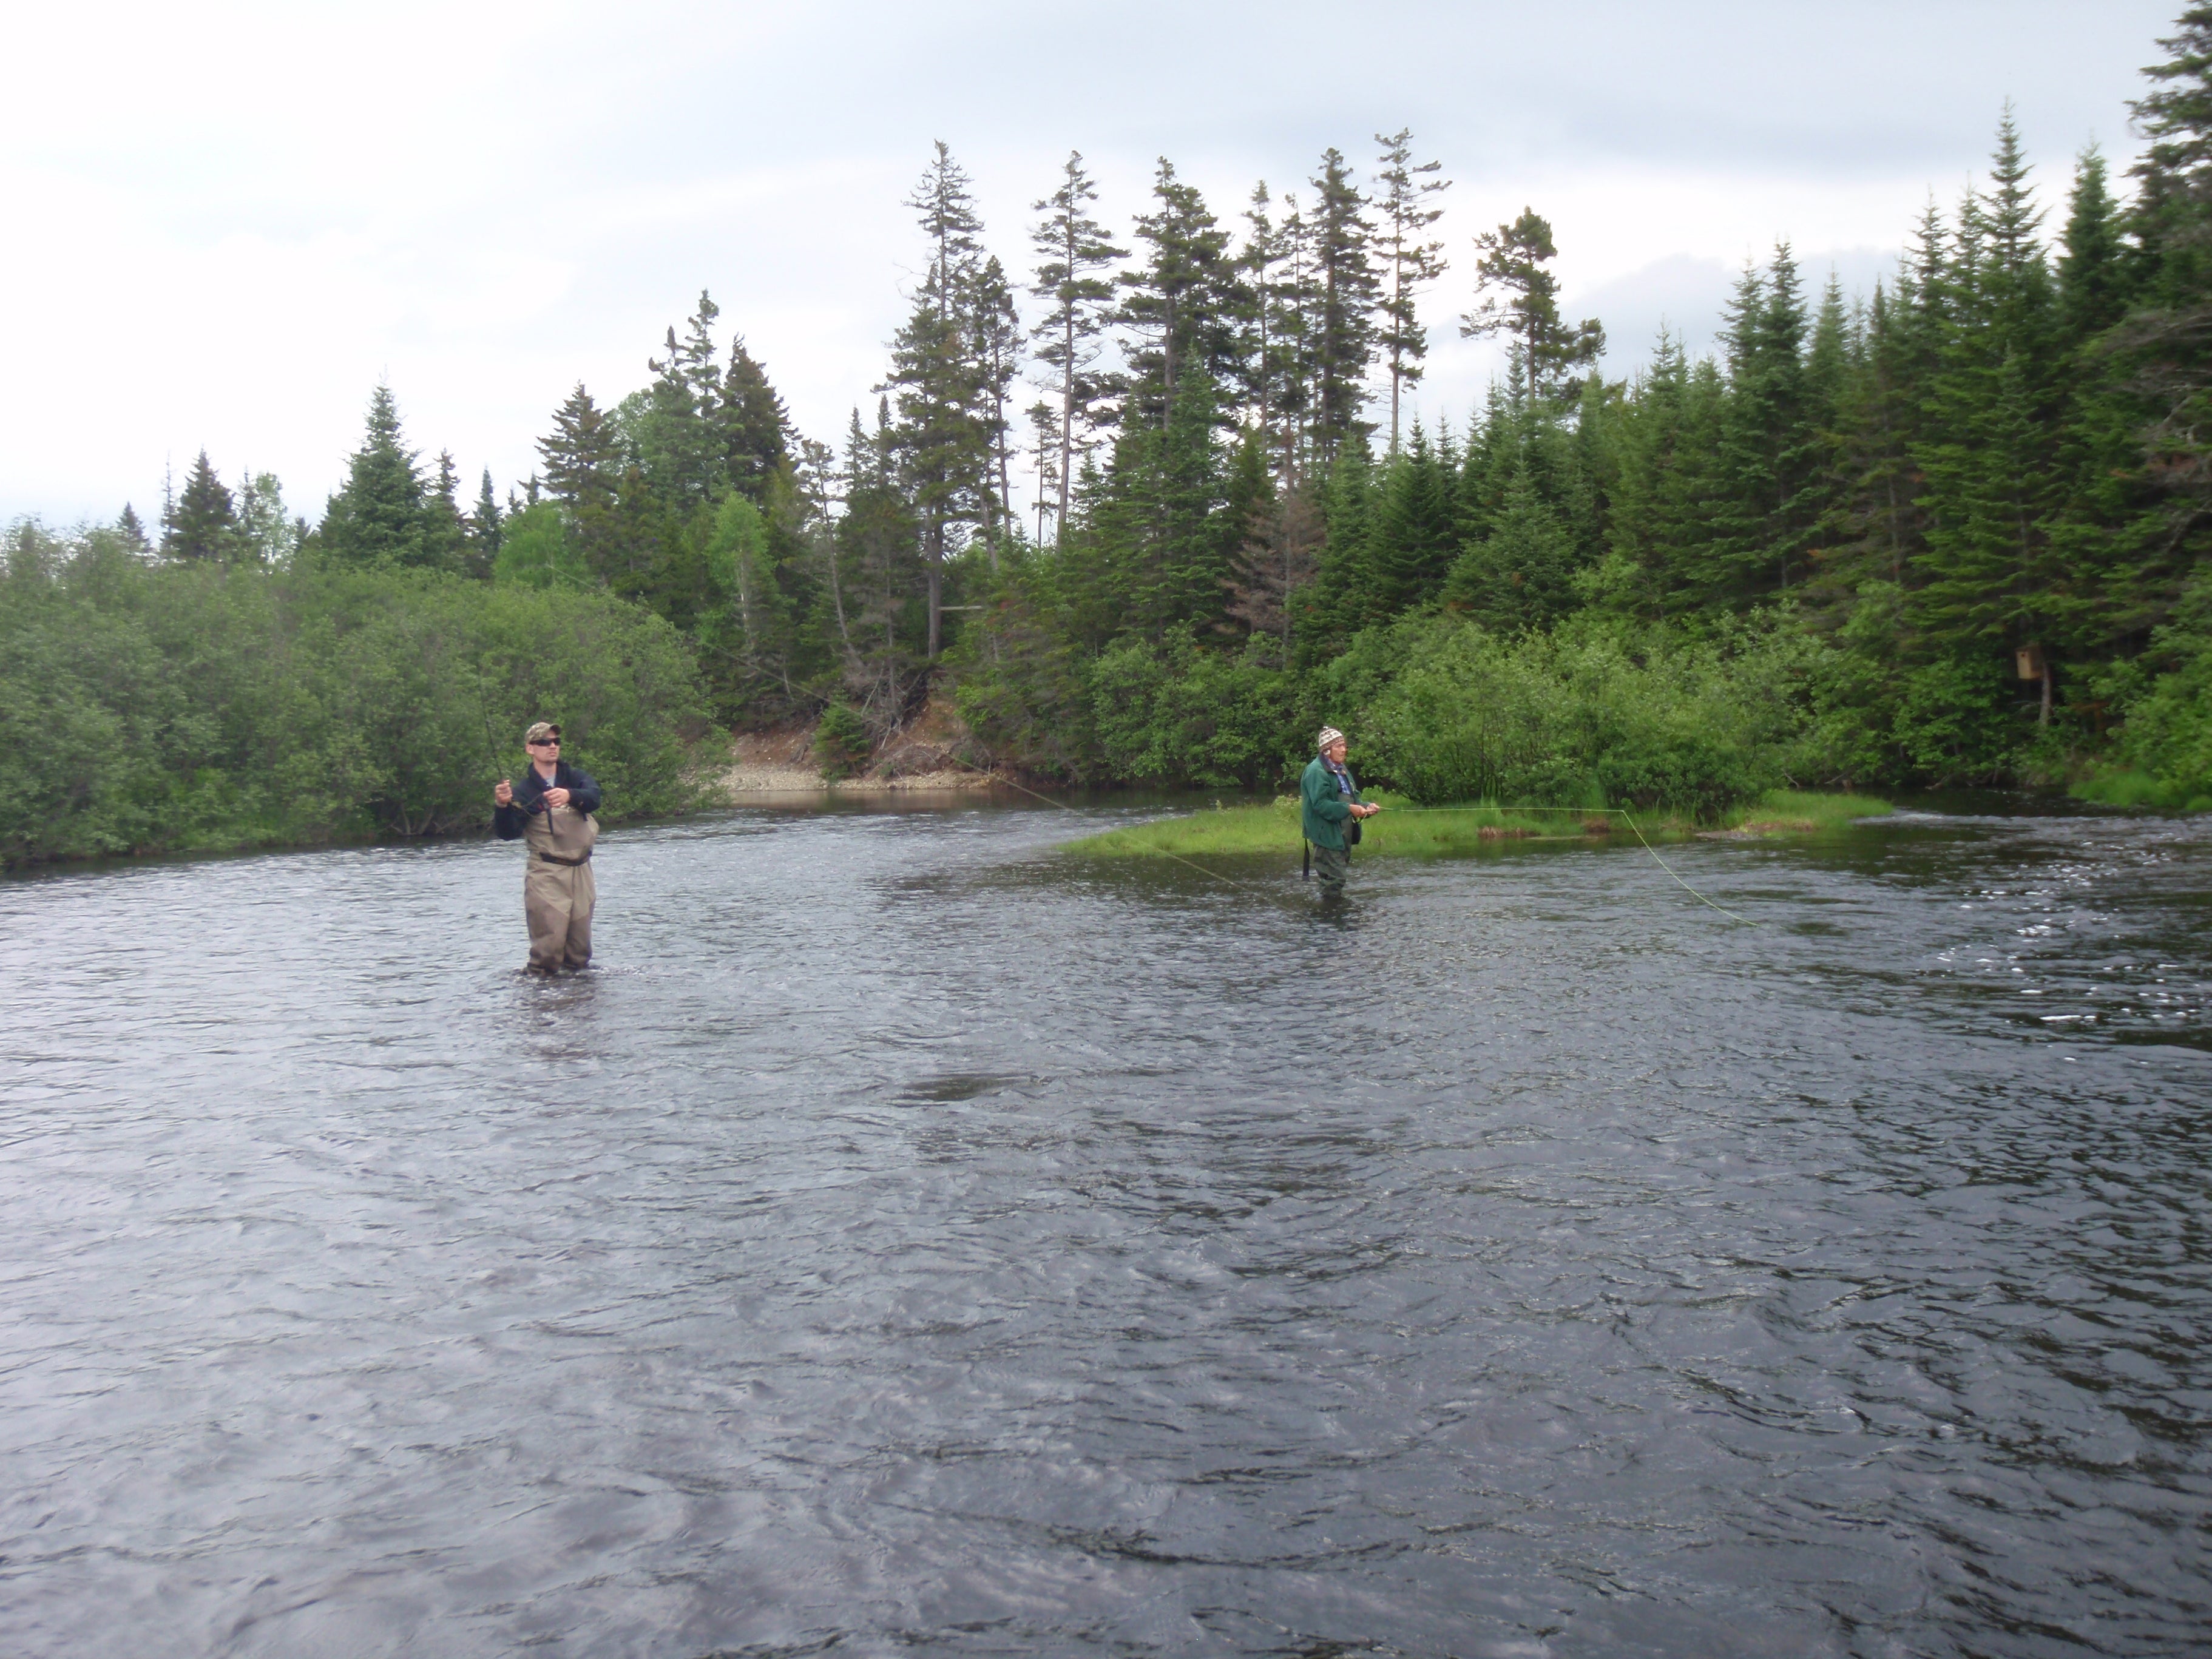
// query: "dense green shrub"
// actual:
[[1588, 714], [1176, 714], [157, 707], [2166, 743], [841, 742]]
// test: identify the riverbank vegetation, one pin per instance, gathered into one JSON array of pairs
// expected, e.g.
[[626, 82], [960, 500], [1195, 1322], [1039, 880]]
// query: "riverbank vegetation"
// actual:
[[1402, 832], [1953, 530], [167, 706]]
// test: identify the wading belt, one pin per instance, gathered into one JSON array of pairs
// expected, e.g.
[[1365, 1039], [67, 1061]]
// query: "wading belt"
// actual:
[[555, 858]]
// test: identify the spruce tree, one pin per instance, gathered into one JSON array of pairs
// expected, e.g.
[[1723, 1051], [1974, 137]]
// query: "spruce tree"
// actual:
[[942, 439], [1049, 449], [1286, 307], [2111, 528], [444, 535], [1991, 579], [997, 332], [1336, 604], [484, 525], [376, 517], [756, 435], [1157, 525], [1769, 443], [1411, 259], [877, 541], [2164, 347], [1343, 338], [1071, 249], [131, 531], [2017, 295], [203, 524], [2093, 275], [1828, 359], [1520, 576], [1649, 445], [1876, 519], [1888, 424], [2175, 173], [1261, 352], [1494, 440], [1991, 576], [584, 474], [681, 444], [1184, 546], [1412, 539], [1184, 306]]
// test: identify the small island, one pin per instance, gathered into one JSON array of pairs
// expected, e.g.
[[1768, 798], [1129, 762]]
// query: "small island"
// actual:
[[1404, 830]]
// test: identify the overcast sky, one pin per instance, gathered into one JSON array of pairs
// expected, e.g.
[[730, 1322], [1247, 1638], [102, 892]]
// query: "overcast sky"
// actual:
[[226, 222]]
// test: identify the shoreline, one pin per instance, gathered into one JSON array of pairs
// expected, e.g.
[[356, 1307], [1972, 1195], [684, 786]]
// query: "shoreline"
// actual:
[[781, 761], [1454, 831], [736, 784]]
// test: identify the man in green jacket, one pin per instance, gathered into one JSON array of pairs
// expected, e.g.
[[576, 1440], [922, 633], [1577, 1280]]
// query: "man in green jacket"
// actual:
[[1327, 800]]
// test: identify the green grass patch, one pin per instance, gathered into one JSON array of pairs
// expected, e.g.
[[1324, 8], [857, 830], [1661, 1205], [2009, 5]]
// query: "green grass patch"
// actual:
[[2137, 788], [1800, 811], [1273, 827]]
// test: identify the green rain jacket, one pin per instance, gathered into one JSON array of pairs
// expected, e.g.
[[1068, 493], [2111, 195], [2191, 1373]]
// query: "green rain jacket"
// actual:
[[1322, 808]]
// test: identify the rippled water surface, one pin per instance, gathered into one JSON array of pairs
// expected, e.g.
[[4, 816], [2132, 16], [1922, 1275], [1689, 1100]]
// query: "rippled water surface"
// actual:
[[912, 1240]]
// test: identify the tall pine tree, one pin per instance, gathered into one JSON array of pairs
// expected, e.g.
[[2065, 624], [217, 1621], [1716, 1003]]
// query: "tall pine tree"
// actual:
[[376, 517], [942, 440], [1411, 258], [202, 524], [1343, 339], [1523, 306], [1071, 249]]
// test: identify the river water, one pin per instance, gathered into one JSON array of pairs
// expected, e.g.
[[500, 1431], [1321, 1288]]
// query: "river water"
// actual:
[[911, 1240]]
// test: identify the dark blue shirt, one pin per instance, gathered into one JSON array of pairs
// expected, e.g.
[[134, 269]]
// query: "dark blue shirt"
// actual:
[[529, 789]]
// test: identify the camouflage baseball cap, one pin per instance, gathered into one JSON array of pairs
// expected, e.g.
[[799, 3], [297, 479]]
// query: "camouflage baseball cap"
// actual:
[[543, 729]]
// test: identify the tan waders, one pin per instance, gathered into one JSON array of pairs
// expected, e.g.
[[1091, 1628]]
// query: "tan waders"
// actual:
[[557, 889]]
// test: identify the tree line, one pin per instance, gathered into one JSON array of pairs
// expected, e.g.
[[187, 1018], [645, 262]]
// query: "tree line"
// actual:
[[1954, 529]]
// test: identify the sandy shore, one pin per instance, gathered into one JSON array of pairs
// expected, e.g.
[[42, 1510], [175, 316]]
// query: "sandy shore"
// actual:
[[751, 780], [783, 763]]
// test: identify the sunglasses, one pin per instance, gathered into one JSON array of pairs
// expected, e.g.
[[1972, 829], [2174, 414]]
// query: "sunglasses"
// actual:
[[542, 742]]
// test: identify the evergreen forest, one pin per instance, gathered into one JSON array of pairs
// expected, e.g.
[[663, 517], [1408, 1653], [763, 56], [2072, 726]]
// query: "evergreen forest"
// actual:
[[1150, 507]]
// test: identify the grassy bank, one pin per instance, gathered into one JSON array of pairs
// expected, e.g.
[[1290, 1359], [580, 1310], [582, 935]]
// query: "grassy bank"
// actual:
[[1273, 827]]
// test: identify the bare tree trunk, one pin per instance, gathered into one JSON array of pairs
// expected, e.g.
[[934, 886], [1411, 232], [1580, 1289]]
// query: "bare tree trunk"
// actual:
[[1066, 412], [1006, 479], [1267, 435], [936, 587], [1394, 399], [837, 598]]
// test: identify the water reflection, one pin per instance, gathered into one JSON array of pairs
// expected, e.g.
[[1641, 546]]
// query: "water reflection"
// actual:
[[907, 1237]]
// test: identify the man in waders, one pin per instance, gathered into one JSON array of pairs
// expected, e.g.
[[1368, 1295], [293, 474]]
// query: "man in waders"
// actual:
[[1328, 801], [550, 809]]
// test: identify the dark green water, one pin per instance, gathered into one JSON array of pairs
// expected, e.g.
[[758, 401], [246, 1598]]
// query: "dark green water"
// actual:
[[909, 1240]]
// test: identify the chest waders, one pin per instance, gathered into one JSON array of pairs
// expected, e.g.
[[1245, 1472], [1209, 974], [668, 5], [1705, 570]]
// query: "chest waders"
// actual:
[[558, 889]]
